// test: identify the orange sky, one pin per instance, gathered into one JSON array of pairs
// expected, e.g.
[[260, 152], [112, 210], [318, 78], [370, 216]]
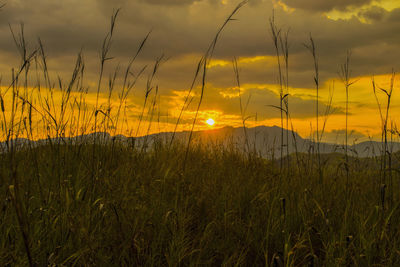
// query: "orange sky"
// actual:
[[161, 115]]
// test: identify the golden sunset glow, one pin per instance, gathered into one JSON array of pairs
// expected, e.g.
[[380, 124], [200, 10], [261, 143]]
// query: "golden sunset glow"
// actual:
[[364, 111]]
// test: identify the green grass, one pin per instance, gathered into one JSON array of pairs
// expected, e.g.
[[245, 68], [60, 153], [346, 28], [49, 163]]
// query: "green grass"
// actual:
[[225, 209]]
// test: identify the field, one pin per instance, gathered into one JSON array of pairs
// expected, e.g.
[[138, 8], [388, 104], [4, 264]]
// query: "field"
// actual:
[[102, 202], [123, 206]]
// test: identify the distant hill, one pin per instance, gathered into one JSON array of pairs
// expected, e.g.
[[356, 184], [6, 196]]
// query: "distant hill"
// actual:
[[264, 140]]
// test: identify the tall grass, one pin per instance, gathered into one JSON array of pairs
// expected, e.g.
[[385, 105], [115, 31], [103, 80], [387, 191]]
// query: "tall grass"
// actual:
[[345, 74], [386, 157], [243, 109], [313, 50], [203, 66], [281, 45], [225, 209], [276, 37]]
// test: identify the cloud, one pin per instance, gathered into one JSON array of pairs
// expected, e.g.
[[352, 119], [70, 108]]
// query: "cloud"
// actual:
[[261, 101], [373, 14], [170, 2], [184, 29], [326, 5]]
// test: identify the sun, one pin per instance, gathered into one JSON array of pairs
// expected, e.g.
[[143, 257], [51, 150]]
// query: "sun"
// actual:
[[210, 122]]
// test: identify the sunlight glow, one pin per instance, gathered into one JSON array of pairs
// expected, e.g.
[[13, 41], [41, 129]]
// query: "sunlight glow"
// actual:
[[354, 12], [210, 122]]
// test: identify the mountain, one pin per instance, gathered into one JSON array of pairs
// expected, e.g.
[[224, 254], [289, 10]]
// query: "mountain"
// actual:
[[264, 140]]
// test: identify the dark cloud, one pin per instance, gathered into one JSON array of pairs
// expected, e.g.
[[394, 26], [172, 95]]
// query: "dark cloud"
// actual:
[[325, 5], [394, 15], [170, 2], [373, 14], [124, 3], [187, 28]]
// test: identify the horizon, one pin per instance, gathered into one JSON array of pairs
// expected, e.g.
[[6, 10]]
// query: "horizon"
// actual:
[[338, 139]]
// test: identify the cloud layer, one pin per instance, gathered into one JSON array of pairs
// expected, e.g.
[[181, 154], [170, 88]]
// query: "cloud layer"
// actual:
[[326, 5]]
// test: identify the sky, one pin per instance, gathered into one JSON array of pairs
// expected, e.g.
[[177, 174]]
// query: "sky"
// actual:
[[181, 31]]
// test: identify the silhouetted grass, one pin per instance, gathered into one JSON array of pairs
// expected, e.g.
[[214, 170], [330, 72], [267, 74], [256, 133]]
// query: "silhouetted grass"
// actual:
[[95, 201]]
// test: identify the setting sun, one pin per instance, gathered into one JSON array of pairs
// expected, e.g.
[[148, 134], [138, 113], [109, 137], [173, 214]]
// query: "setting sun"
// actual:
[[210, 122]]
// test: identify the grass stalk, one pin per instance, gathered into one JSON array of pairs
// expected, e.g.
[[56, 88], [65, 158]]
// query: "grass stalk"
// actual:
[[203, 65], [313, 50]]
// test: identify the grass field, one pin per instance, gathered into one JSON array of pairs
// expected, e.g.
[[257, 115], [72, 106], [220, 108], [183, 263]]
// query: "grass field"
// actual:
[[127, 207]]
